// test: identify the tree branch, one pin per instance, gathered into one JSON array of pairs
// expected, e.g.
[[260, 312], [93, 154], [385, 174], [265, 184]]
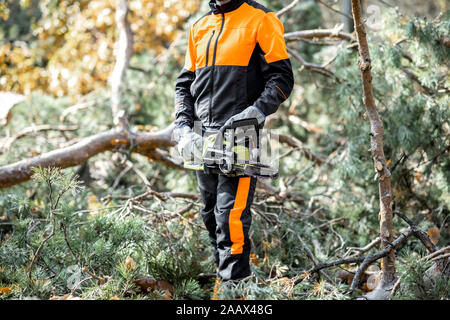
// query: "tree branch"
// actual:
[[311, 66], [124, 47], [422, 236], [381, 254], [33, 129], [144, 143], [335, 10], [318, 34], [295, 143], [376, 125], [287, 8]]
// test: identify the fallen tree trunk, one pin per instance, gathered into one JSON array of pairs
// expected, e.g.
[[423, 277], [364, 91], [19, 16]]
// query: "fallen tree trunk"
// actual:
[[144, 143]]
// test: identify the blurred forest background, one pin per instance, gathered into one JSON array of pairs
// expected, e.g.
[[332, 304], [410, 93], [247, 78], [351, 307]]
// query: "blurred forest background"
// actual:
[[127, 225]]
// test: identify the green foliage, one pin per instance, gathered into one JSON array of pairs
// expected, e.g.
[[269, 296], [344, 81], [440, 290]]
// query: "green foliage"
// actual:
[[417, 283], [98, 227], [179, 259], [415, 116], [430, 33], [98, 240], [190, 289], [253, 290], [17, 18]]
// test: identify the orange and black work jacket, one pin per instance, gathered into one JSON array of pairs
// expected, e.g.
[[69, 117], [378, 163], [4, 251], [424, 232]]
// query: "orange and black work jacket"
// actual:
[[236, 58]]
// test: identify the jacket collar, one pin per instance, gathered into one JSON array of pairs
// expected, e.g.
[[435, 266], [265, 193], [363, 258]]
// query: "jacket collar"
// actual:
[[227, 7]]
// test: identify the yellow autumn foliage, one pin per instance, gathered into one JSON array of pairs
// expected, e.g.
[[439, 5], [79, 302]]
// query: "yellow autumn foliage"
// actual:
[[73, 52], [5, 290]]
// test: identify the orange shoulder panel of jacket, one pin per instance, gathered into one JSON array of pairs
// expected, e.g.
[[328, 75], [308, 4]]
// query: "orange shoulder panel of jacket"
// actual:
[[238, 39], [271, 38], [205, 32], [190, 58], [243, 29]]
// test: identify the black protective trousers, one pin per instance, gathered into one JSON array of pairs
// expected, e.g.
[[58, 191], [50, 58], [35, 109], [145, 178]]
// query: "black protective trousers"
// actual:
[[227, 217]]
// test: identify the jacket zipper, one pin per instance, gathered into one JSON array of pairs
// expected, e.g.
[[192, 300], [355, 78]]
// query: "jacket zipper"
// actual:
[[213, 67], [207, 48]]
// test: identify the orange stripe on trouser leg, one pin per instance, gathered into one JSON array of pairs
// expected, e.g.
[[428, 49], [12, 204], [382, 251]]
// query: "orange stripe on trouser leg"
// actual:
[[234, 221]]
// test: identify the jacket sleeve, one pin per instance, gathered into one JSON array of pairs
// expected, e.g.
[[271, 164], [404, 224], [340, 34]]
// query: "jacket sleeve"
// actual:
[[184, 102], [277, 69]]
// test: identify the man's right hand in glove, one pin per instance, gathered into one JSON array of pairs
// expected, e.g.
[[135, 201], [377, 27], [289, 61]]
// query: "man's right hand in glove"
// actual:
[[189, 142], [252, 112]]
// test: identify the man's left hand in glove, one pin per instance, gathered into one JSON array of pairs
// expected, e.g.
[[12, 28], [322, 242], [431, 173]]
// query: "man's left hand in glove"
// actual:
[[189, 142]]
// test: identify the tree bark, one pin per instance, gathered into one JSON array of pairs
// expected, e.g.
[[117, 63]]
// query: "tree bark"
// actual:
[[124, 51], [382, 172], [120, 138], [288, 8], [145, 143], [7, 101], [318, 34]]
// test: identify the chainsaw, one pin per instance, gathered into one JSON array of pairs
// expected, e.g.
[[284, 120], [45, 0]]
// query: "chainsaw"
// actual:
[[231, 154]]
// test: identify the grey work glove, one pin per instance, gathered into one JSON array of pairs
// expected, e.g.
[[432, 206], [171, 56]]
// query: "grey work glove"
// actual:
[[248, 113], [179, 132], [189, 142]]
